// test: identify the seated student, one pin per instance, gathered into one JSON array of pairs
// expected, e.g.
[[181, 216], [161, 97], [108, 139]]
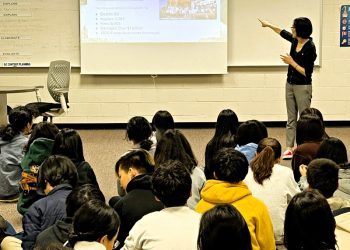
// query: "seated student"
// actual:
[[315, 111], [95, 227], [12, 144], [174, 146], [223, 227], [161, 122], [59, 232], [248, 135], [225, 131], [309, 223], [322, 174], [36, 151], [230, 169], [272, 183], [334, 149], [174, 227], [68, 143], [57, 177], [135, 170], [309, 135]]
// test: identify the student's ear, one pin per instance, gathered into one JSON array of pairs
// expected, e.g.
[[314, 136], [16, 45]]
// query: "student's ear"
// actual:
[[104, 240], [214, 174]]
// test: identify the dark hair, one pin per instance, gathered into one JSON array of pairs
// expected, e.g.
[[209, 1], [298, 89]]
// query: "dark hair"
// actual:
[[303, 27], [251, 131], [333, 149], [46, 130], [315, 111], [56, 170], [269, 150], [309, 129], [94, 220], [80, 195], [19, 117], [223, 227], [171, 147], [225, 130], [230, 165], [322, 174], [139, 131], [68, 143], [162, 121], [139, 159], [309, 223], [171, 183]]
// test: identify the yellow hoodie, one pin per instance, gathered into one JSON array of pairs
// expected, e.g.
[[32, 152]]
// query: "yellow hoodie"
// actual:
[[253, 210]]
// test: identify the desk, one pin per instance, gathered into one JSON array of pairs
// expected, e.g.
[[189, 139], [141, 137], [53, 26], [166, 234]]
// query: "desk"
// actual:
[[4, 90]]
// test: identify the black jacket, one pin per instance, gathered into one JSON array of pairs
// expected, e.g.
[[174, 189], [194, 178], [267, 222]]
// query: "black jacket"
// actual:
[[138, 201], [44, 213], [86, 174], [57, 233]]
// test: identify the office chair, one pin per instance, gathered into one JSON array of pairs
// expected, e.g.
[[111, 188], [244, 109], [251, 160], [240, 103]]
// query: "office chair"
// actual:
[[58, 86]]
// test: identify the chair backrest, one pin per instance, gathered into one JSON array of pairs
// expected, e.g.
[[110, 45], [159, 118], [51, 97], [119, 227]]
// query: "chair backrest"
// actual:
[[58, 78]]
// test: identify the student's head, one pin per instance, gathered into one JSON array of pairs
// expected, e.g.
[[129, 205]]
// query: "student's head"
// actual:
[[309, 222], [172, 146], [226, 123], [309, 129], [334, 149], [268, 153], [80, 195], [230, 165], [46, 130], [303, 27], [312, 111], [171, 183], [162, 121], [138, 130], [68, 143], [95, 221], [251, 131], [132, 164], [56, 170], [223, 227], [322, 174], [20, 120]]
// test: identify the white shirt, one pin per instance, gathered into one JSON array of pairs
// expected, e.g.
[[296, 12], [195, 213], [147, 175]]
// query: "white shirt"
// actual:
[[171, 228], [275, 192]]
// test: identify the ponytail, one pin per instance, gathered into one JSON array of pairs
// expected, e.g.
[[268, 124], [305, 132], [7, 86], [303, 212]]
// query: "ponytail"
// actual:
[[262, 164]]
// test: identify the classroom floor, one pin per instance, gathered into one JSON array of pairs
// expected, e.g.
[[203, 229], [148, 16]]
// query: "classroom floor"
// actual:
[[103, 147]]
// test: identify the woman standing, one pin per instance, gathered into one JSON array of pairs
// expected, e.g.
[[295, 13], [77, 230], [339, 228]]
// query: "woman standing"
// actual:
[[300, 62]]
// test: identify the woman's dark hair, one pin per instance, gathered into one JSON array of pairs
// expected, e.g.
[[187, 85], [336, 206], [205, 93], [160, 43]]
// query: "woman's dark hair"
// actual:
[[92, 221], [251, 131], [223, 227], [42, 130], [139, 159], [139, 131], [268, 151], [303, 27], [309, 129], [68, 142], [162, 121], [314, 111], [80, 195], [171, 147], [56, 170], [333, 149], [225, 130], [309, 223], [19, 118]]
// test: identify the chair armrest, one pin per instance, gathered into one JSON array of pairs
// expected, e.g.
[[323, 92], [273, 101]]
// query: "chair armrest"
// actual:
[[63, 103], [61, 90]]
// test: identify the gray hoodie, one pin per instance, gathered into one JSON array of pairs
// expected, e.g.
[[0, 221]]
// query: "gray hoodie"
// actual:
[[11, 154]]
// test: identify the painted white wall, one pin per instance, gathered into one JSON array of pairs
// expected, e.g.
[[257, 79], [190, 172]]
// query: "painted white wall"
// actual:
[[252, 92]]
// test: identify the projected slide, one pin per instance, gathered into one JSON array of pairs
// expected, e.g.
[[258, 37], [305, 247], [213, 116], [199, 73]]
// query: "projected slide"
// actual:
[[108, 24]]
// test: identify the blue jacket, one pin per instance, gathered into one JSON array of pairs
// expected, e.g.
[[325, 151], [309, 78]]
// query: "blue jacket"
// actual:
[[249, 150], [11, 154], [44, 213]]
